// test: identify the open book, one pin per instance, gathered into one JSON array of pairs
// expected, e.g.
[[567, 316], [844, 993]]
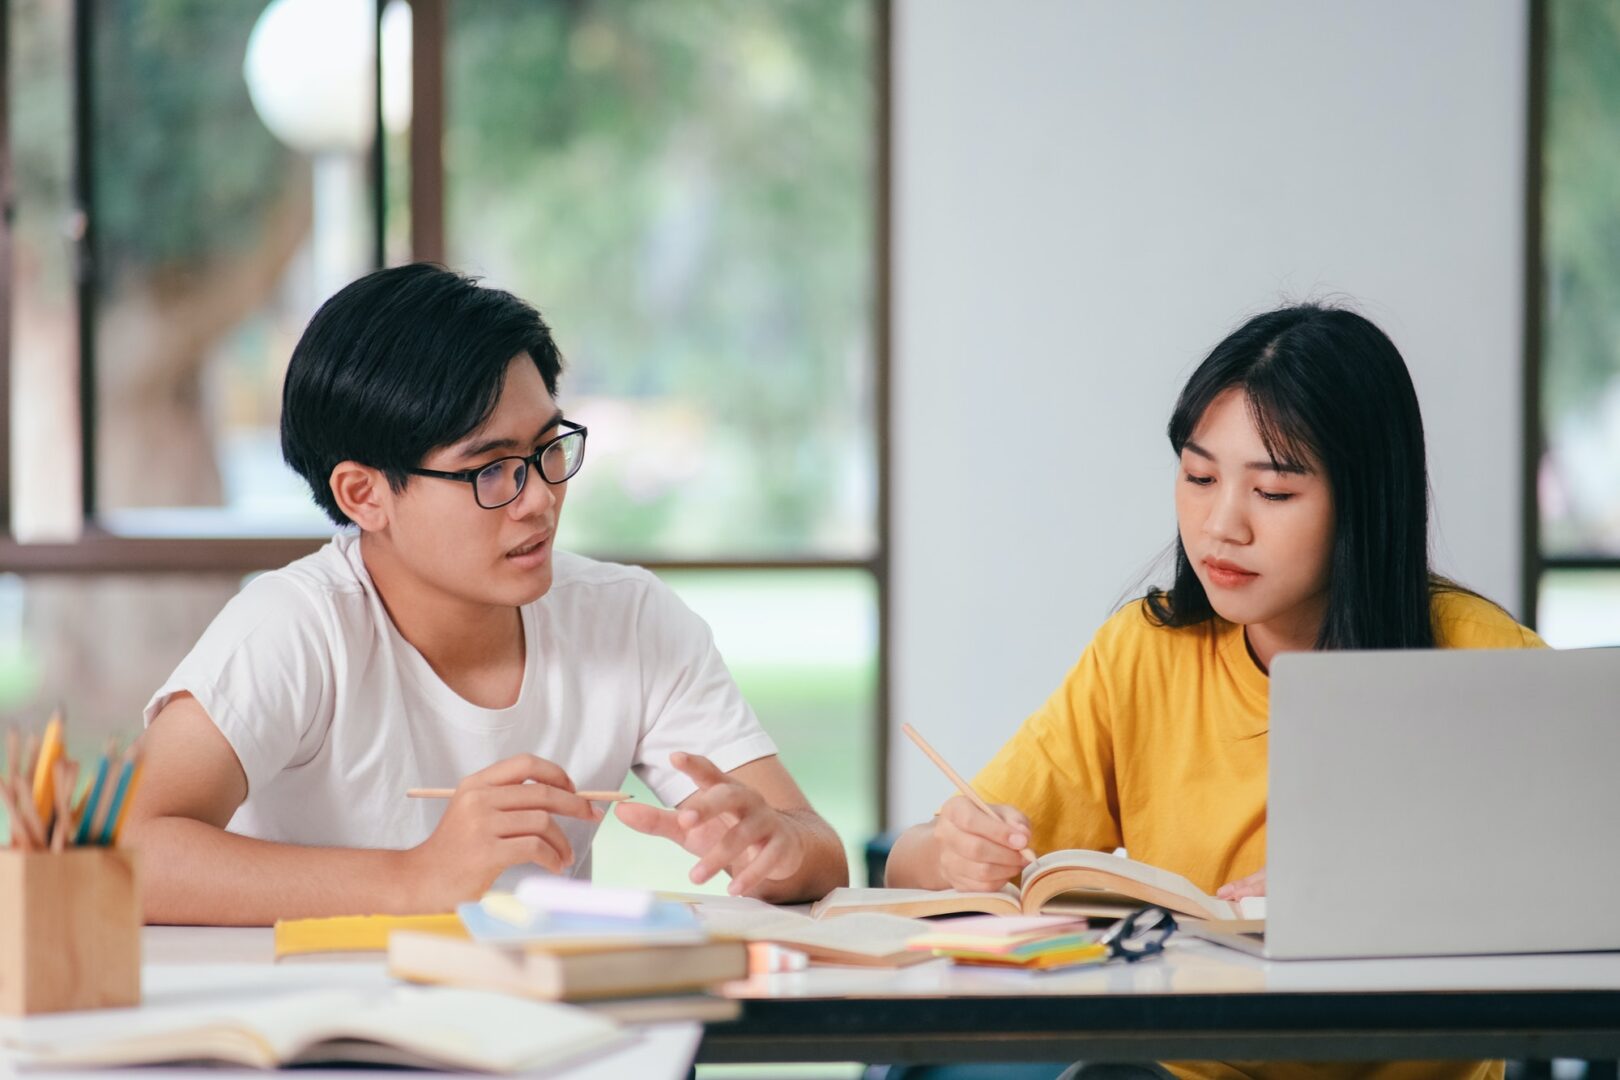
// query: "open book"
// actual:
[[1073, 882], [863, 939], [436, 1028]]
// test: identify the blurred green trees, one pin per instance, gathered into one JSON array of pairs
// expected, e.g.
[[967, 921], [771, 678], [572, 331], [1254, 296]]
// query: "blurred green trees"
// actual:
[[686, 190], [1581, 252]]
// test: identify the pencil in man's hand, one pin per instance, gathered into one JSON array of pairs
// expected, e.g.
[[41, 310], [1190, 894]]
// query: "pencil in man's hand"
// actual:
[[588, 796], [956, 778]]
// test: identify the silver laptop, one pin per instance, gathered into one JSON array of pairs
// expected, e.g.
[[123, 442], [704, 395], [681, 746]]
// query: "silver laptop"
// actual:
[[1444, 802]]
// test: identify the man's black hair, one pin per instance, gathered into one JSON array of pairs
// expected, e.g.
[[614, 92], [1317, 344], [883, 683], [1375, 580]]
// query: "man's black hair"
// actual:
[[397, 364]]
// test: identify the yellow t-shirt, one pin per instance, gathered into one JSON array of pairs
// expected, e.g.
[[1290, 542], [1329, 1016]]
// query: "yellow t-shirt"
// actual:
[[1156, 742]]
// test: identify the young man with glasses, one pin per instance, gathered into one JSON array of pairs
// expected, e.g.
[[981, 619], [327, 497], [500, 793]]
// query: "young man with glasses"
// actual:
[[442, 641]]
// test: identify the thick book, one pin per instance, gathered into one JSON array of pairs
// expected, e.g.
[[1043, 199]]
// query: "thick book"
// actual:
[[535, 971], [1072, 882], [422, 1028]]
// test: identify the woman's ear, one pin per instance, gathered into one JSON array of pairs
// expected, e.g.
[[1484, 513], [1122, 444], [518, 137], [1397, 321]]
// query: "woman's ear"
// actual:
[[362, 493]]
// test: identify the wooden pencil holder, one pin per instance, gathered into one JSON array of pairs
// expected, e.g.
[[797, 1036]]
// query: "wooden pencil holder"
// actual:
[[70, 930]]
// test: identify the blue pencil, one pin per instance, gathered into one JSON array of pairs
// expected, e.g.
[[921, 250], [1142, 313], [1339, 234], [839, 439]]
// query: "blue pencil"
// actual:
[[117, 800], [83, 835]]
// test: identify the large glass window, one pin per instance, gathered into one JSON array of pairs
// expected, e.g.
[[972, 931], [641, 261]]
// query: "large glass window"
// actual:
[[229, 195], [1578, 480], [686, 191]]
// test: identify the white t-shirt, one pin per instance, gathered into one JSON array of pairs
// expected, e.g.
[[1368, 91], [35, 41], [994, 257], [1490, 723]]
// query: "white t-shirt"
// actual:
[[334, 715]]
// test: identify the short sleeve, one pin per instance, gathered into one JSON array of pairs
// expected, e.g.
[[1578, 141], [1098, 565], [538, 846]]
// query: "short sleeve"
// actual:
[[1463, 620], [262, 673], [692, 703], [1059, 767]]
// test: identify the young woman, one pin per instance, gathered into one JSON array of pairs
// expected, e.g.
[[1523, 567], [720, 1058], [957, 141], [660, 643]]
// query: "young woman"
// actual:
[[1302, 512]]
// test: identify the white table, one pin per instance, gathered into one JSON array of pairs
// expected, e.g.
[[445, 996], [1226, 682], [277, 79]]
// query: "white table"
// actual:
[[190, 966], [1196, 1001]]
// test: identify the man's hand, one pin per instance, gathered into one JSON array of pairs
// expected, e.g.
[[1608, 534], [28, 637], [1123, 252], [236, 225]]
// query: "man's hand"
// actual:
[[499, 817], [1253, 885], [978, 852], [728, 825]]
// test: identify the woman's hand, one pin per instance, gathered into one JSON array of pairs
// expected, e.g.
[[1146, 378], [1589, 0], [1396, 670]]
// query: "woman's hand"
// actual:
[[1253, 885], [979, 852], [728, 825]]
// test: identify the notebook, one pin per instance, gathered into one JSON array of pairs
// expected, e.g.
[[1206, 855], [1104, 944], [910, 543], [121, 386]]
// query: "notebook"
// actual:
[[330, 935]]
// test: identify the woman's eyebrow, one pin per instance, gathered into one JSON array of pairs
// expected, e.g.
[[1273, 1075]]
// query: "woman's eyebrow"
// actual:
[[1288, 468]]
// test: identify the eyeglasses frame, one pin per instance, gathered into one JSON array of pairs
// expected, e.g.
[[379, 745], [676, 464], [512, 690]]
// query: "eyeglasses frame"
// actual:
[[532, 460], [1116, 937]]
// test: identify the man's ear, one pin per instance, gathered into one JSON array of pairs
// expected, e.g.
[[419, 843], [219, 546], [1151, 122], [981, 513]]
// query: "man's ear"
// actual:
[[362, 493]]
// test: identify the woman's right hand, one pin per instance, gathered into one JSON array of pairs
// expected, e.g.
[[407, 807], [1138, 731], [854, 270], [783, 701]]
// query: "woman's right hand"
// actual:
[[499, 817], [979, 852]]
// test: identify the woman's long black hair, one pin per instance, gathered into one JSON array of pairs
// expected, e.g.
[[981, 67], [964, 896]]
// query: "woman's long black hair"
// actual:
[[1326, 386]]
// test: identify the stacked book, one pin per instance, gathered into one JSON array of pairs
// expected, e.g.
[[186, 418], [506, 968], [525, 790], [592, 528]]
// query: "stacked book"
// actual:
[[562, 940]]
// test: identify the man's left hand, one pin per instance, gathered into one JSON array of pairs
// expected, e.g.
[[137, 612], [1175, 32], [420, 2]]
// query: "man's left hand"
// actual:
[[727, 824]]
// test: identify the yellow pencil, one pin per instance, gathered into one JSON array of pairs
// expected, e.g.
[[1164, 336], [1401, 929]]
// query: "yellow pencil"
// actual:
[[50, 752]]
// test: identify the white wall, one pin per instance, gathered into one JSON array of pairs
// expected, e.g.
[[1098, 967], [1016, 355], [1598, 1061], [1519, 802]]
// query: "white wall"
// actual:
[[1087, 197]]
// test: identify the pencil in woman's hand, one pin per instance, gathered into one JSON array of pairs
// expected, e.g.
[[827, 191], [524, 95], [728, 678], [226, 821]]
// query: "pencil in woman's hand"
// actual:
[[956, 778]]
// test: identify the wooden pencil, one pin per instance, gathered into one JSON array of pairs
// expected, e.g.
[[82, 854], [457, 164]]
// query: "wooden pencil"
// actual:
[[19, 831], [588, 796], [956, 778], [62, 797], [22, 808], [30, 755]]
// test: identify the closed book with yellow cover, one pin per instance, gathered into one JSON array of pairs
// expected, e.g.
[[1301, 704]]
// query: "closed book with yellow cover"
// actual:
[[356, 933]]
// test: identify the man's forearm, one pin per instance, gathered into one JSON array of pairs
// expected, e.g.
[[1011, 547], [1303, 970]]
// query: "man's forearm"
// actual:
[[825, 866], [196, 874]]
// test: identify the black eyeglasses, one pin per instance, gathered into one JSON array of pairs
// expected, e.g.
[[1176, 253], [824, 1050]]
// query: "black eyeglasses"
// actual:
[[1139, 934], [498, 483]]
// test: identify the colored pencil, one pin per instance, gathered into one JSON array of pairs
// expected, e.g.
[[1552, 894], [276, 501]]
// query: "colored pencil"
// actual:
[[92, 800], [129, 800], [103, 834]]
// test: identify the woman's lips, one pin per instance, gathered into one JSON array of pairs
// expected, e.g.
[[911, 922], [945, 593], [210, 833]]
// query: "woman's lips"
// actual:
[[1227, 575]]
